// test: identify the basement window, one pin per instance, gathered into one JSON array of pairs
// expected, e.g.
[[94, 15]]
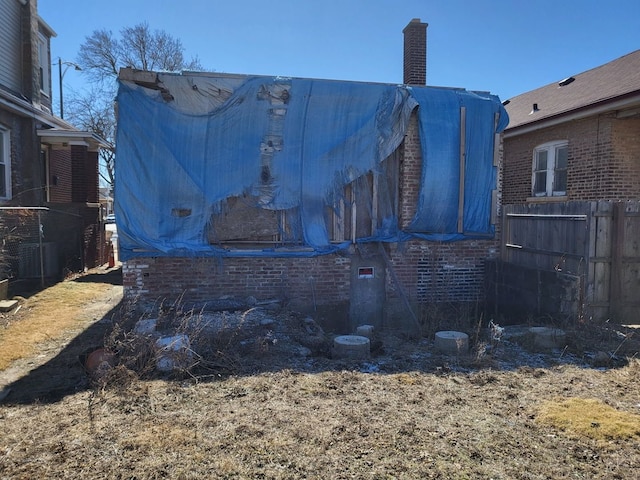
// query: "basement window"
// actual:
[[550, 169]]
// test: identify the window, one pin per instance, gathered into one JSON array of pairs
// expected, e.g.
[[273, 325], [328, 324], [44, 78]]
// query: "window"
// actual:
[[5, 165], [550, 169], [45, 67]]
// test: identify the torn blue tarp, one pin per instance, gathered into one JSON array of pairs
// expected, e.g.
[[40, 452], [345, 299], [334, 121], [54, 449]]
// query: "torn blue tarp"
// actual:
[[293, 145], [438, 210]]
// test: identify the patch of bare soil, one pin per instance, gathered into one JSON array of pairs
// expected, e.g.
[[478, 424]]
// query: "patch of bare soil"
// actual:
[[257, 394]]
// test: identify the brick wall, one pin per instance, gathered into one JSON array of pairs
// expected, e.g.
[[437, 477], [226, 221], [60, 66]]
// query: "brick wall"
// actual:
[[26, 170], [603, 159], [415, 53], [30, 70], [426, 271], [76, 175], [441, 272], [422, 271], [60, 169], [626, 144], [92, 178], [301, 281], [410, 173], [79, 174], [93, 236]]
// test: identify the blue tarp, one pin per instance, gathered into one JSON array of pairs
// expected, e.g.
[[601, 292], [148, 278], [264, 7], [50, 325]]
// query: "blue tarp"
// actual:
[[292, 144]]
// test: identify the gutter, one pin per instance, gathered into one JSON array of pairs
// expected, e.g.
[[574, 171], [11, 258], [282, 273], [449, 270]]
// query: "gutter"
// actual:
[[73, 136], [60, 130], [26, 108]]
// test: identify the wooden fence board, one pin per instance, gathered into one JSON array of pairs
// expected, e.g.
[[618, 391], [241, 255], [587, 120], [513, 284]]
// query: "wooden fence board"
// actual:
[[597, 241]]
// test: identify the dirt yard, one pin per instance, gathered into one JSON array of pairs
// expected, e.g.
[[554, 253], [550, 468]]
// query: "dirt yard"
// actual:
[[268, 402]]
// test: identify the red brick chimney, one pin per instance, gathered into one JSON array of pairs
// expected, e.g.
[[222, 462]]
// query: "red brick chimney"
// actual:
[[415, 53]]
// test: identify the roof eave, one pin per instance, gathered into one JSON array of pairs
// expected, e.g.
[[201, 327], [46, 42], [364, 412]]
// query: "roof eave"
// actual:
[[25, 108], [608, 105], [72, 137]]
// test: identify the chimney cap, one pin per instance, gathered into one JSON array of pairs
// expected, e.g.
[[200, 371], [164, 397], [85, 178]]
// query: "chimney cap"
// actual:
[[415, 22]]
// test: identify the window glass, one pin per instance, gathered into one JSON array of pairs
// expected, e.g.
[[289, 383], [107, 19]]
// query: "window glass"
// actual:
[[541, 158], [560, 174], [561, 158], [540, 182], [560, 182]]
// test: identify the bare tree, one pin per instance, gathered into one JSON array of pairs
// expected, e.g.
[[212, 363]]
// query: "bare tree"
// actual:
[[101, 56], [94, 113]]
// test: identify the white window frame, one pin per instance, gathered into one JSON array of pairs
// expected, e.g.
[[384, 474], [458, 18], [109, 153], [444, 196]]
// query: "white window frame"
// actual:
[[45, 66], [552, 149], [5, 161]]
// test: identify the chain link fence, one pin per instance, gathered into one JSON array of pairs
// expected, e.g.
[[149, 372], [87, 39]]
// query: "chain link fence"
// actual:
[[39, 245]]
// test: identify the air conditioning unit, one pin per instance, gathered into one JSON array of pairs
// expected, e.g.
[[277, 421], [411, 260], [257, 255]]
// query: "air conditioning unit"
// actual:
[[30, 265]]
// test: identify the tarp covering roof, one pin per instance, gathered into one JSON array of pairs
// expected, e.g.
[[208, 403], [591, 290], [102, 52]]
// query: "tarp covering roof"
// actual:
[[187, 143]]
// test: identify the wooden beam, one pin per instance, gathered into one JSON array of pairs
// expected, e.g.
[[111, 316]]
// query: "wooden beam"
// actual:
[[463, 128], [617, 251]]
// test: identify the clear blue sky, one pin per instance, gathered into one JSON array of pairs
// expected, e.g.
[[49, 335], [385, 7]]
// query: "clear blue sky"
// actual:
[[506, 47]]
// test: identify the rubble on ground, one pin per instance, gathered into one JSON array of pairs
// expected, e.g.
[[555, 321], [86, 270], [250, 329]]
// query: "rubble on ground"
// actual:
[[246, 339]]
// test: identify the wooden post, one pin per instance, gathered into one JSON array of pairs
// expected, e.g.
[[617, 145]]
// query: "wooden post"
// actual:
[[617, 252], [463, 129]]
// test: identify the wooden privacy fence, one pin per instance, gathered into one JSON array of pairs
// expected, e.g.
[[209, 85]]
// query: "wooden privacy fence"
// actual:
[[597, 242]]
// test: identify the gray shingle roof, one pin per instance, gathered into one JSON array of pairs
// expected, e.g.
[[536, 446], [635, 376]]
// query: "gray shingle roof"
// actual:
[[608, 82]]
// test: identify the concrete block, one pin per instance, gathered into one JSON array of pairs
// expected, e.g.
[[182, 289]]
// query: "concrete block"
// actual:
[[7, 305]]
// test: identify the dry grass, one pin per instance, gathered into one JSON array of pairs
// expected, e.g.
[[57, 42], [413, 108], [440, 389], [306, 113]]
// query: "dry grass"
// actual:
[[332, 424], [47, 317], [590, 418], [417, 416]]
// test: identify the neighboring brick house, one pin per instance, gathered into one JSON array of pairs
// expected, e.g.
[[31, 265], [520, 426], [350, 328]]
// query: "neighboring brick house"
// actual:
[[384, 255], [568, 146], [48, 169]]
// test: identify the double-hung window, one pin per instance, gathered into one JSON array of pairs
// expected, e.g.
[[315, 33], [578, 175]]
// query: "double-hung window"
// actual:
[[550, 169], [5, 165]]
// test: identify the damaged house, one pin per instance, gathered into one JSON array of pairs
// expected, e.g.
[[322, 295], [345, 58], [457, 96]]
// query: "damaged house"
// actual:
[[318, 193]]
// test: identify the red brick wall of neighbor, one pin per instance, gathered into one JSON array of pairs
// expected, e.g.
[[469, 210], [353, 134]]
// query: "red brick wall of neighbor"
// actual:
[[626, 142], [60, 167], [93, 237], [79, 174], [425, 270], [603, 159], [92, 177], [76, 171]]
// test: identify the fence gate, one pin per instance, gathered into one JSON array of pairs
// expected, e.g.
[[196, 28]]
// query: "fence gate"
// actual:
[[598, 242]]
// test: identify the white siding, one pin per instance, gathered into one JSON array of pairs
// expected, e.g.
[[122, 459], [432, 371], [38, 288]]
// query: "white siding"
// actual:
[[10, 58]]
